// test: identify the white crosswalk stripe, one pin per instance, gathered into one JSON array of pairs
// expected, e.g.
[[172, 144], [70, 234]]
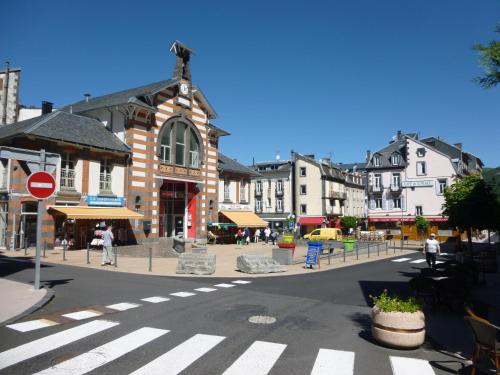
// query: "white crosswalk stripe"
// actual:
[[258, 359], [31, 325], [106, 353], [241, 282], [206, 290], [183, 294], [155, 299], [123, 306], [54, 341], [85, 314], [401, 260], [418, 261], [180, 357], [410, 366], [336, 362], [223, 285]]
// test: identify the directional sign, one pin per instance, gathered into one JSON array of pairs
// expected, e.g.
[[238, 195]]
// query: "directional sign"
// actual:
[[41, 185]]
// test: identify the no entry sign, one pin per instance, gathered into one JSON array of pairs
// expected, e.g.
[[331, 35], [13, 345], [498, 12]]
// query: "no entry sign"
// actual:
[[41, 185]]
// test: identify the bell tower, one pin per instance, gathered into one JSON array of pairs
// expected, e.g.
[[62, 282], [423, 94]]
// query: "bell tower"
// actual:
[[182, 56]]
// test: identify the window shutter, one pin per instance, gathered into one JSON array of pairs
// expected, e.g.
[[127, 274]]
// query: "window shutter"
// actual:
[[403, 203], [436, 185]]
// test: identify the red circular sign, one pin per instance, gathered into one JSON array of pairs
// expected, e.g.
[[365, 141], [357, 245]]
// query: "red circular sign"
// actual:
[[41, 185]]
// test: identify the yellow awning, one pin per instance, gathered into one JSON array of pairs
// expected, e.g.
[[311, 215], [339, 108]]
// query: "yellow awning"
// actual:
[[79, 212], [245, 219]]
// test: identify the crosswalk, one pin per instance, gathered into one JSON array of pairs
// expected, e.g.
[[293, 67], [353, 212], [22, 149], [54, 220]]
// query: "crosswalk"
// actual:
[[414, 261], [259, 358]]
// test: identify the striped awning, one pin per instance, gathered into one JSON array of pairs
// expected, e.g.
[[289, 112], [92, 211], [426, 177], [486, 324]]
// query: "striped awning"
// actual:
[[80, 212], [245, 219]]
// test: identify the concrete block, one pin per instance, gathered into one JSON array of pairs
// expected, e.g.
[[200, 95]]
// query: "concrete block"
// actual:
[[252, 263], [199, 250], [198, 264], [283, 256]]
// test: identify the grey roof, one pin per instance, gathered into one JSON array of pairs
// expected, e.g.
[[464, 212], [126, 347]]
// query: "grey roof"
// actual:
[[121, 97], [66, 127], [442, 146], [397, 146], [226, 164], [218, 129], [350, 166]]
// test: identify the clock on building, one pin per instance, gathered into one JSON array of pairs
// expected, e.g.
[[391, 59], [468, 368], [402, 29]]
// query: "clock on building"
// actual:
[[184, 88]]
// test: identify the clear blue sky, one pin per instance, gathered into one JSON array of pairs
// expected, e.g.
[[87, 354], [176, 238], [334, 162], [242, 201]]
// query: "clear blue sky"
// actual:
[[325, 77]]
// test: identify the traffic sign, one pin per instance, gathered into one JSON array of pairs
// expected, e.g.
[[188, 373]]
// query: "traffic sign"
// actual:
[[41, 185]]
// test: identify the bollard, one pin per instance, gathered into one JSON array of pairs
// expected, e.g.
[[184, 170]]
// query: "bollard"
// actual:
[[378, 249], [25, 247], [386, 248], [115, 253], [344, 254], [150, 259], [64, 251], [368, 249], [394, 246], [88, 252], [357, 255], [44, 248]]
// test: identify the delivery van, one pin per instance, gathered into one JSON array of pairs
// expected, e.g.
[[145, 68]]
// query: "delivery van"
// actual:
[[324, 234]]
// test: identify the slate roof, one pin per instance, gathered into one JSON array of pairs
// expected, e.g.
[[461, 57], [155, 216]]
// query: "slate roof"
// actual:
[[385, 155], [446, 148], [226, 164], [360, 167], [121, 97], [66, 127]]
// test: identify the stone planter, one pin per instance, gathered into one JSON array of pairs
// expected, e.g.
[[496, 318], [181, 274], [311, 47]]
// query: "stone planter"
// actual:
[[397, 329]]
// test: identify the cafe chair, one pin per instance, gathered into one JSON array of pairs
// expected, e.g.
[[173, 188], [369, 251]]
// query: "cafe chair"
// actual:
[[486, 343]]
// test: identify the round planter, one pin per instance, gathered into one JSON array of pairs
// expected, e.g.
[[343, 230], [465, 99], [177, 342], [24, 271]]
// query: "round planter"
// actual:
[[397, 329], [289, 246], [349, 244], [287, 238]]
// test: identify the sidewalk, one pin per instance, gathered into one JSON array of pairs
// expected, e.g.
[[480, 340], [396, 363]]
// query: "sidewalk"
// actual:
[[226, 260], [19, 299]]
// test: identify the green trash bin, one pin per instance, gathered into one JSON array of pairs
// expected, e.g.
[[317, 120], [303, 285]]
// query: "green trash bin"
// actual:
[[349, 244]]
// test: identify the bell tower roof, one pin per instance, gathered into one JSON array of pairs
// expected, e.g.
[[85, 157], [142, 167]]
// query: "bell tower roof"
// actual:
[[182, 57]]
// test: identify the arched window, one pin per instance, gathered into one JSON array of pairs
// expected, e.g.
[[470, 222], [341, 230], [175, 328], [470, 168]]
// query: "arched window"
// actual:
[[194, 149], [179, 143]]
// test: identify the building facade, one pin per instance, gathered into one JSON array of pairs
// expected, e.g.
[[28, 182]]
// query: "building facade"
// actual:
[[408, 177], [9, 94], [272, 192]]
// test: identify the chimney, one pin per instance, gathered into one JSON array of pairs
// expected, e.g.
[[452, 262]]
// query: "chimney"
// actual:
[[182, 57], [87, 96], [46, 107], [458, 145], [368, 155], [398, 137]]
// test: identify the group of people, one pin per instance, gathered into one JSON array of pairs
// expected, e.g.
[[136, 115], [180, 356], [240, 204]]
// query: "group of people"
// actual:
[[266, 235]]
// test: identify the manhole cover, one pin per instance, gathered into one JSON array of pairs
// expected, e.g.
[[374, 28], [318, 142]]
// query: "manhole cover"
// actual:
[[262, 319]]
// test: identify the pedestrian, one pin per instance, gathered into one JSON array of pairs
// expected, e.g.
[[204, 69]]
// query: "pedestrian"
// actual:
[[107, 246], [246, 234], [256, 235], [239, 236], [274, 236], [431, 248], [267, 233]]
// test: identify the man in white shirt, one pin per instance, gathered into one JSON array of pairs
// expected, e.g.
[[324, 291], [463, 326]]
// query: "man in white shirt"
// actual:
[[431, 249], [267, 233], [107, 246]]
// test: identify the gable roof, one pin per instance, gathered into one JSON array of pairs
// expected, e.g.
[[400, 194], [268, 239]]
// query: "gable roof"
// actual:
[[226, 164], [385, 153], [66, 127]]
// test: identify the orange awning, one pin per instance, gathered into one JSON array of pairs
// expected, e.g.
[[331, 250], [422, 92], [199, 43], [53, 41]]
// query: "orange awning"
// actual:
[[245, 219], [79, 212]]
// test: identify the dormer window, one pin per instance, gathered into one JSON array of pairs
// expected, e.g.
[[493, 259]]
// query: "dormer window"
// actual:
[[377, 161], [421, 152], [395, 159]]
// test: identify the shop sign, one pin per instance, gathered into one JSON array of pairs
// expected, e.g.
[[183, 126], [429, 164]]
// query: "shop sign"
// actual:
[[94, 200], [234, 207], [417, 183]]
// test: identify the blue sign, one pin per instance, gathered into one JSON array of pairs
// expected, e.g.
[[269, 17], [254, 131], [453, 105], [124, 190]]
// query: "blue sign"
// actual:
[[291, 225], [94, 200], [312, 256]]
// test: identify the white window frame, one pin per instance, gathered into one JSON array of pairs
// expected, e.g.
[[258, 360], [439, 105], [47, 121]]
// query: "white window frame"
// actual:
[[243, 190], [269, 202], [227, 185], [279, 186], [378, 200], [279, 205], [303, 172], [258, 205], [105, 182], [377, 161], [422, 171], [258, 187], [419, 210], [67, 180], [377, 181], [395, 159], [440, 185], [303, 189], [396, 180]]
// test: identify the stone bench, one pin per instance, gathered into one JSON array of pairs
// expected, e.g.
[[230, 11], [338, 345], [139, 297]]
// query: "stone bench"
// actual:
[[252, 263], [198, 264]]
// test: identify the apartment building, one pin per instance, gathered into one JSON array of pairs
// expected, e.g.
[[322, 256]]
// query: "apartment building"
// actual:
[[407, 178]]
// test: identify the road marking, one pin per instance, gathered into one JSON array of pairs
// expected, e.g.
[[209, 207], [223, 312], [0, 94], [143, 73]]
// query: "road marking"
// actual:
[[32, 325], [258, 359], [48, 343], [183, 294], [401, 260], [418, 261], [106, 353], [155, 299], [439, 261], [241, 282], [85, 314], [410, 366], [224, 285], [336, 362], [123, 306], [446, 254], [176, 360], [206, 290]]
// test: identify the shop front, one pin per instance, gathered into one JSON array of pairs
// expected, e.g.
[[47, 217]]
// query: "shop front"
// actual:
[[309, 223], [395, 227], [178, 209]]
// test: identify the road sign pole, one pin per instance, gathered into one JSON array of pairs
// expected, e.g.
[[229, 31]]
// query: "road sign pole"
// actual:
[[39, 221]]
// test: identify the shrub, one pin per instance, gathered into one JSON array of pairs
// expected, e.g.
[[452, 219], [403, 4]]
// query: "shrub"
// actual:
[[387, 303]]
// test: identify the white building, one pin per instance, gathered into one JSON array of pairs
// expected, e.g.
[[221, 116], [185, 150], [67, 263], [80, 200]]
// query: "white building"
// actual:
[[407, 178]]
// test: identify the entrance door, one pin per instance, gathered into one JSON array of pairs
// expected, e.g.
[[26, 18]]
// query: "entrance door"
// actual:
[[179, 224]]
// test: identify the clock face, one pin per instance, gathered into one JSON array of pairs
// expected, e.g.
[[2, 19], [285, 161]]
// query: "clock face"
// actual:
[[184, 88]]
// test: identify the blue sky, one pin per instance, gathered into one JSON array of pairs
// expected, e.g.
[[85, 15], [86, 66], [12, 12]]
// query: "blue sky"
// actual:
[[333, 78]]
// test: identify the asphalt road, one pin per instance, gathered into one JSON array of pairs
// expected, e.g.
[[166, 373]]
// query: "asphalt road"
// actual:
[[209, 332]]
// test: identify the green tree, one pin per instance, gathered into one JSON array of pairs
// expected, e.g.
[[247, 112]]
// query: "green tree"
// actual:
[[489, 58], [422, 226], [349, 222], [471, 204]]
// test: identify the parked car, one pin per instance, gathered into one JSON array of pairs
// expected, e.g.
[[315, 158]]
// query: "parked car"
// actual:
[[324, 234]]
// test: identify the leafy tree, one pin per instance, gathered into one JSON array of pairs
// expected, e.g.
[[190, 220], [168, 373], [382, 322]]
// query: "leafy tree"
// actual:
[[471, 204], [490, 60], [349, 222], [422, 226]]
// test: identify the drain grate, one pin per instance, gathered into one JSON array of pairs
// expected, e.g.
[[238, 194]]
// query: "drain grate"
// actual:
[[262, 319]]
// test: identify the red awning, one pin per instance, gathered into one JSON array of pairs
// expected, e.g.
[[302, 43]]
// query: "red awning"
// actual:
[[311, 220]]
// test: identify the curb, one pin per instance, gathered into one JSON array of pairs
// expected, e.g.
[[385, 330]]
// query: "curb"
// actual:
[[45, 300]]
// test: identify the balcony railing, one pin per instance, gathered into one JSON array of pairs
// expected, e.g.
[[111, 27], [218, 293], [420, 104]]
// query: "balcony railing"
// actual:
[[376, 188], [279, 192], [68, 179], [105, 182], [395, 187], [258, 193], [337, 195], [258, 210]]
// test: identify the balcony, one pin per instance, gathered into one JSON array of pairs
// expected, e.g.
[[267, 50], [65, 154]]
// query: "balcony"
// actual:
[[279, 210], [258, 210], [337, 195], [376, 188], [279, 192], [258, 193], [396, 188]]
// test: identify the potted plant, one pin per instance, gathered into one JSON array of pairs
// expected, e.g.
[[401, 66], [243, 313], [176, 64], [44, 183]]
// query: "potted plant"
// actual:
[[397, 322], [349, 222]]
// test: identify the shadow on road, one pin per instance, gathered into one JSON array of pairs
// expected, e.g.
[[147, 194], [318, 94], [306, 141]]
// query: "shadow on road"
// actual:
[[12, 265]]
